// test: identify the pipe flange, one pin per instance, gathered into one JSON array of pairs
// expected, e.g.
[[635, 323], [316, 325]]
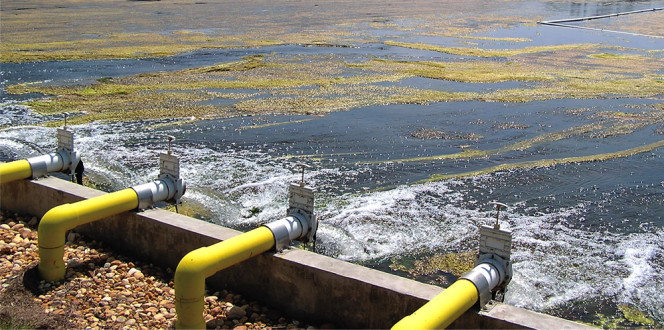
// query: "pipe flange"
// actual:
[[498, 263]]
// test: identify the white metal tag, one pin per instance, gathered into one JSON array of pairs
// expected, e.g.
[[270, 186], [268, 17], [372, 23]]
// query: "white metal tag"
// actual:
[[301, 198], [169, 165], [65, 139], [495, 241]]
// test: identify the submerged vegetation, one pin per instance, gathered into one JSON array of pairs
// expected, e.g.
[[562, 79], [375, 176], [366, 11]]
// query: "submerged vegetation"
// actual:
[[319, 84], [626, 316]]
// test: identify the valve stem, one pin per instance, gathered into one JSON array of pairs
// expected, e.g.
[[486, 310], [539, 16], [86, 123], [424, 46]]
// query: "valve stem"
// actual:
[[303, 166], [499, 206], [170, 139]]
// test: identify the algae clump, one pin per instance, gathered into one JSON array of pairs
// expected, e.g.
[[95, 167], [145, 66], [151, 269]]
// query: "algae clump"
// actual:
[[456, 264], [634, 315]]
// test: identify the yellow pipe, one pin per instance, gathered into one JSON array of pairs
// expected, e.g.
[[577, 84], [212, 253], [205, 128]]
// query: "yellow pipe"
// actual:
[[57, 221], [17, 170], [202, 263], [442, 310]]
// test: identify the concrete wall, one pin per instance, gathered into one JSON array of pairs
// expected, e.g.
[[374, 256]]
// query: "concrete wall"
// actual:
[[304, 285]]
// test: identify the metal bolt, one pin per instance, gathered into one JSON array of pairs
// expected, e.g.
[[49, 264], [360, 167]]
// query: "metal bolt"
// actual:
[[499, 206]]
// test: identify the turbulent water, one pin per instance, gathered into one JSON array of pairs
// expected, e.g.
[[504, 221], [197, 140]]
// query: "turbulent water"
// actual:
[[588, 236], [588, 232]]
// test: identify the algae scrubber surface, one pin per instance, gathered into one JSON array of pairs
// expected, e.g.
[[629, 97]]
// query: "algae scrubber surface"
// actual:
[[414, 117]]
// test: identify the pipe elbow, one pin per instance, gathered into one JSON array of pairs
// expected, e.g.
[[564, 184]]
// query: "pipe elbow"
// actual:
[[204, 262], [191, 273], [51, 241], [193, 264], [190, 290], [54, 224]]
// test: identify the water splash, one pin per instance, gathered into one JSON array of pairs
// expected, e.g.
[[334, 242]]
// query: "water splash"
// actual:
[[557, 262]]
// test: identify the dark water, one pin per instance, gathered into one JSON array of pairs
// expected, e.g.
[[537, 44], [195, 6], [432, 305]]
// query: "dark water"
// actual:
[[588, 236]]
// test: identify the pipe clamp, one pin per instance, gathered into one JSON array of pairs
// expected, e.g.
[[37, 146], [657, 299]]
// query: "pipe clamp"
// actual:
[[478, 279], [280, 232], [286, 230], [38, 166], [144, 194]]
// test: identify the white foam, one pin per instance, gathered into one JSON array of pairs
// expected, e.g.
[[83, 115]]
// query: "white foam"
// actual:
[[555, 265]]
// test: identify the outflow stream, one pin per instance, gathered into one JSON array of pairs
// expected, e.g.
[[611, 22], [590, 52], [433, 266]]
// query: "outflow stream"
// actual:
[[586, 234]]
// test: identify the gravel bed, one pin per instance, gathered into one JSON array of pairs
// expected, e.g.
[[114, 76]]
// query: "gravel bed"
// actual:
[[104, 290]]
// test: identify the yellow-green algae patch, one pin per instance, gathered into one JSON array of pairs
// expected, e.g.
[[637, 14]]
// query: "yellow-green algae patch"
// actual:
[[275, 124], [497, 39], [627, 316], [479, 52], [554, 75], [318, 84], [613, 56], [266, 86], [98, 29], [634, 315], [456, 264], [466, 71], [548, 162]]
